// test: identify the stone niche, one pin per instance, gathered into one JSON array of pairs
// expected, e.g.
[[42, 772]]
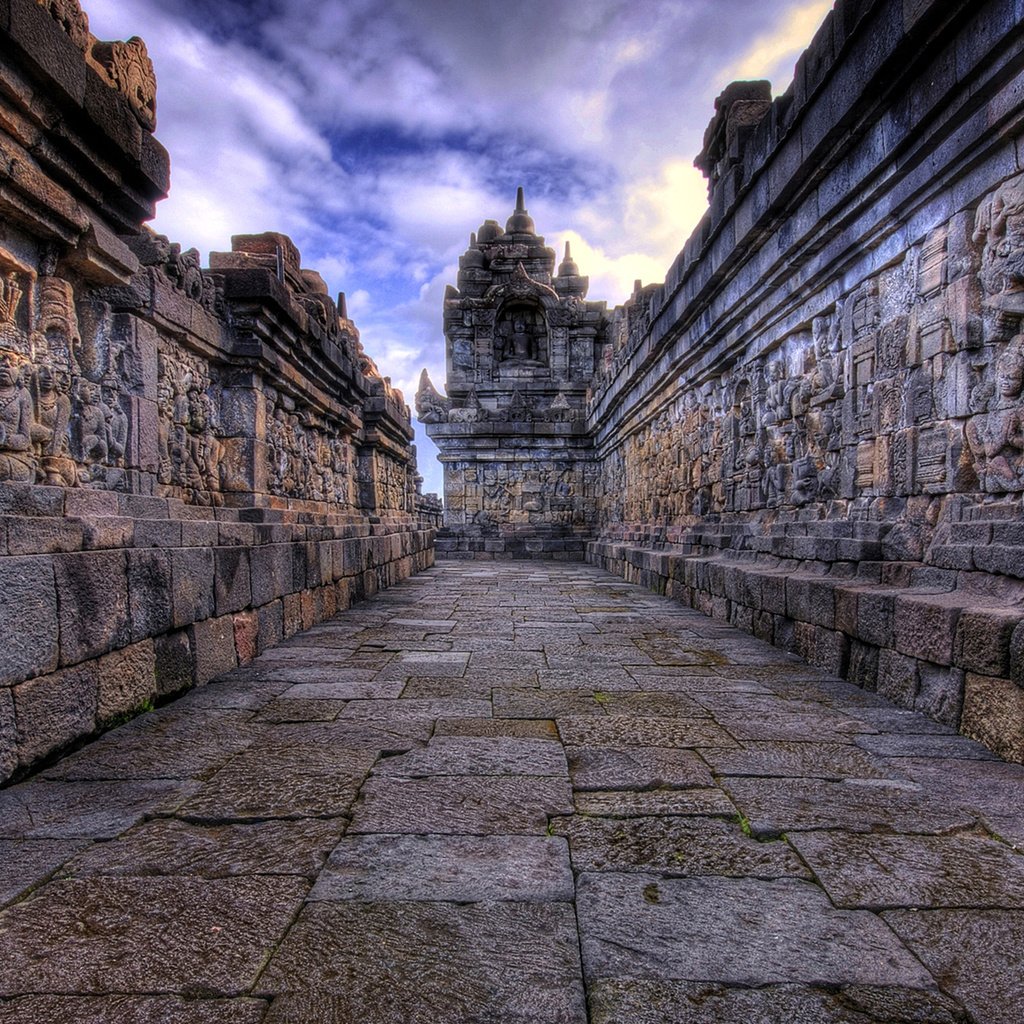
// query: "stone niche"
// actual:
[[522, 344], [194, 461]]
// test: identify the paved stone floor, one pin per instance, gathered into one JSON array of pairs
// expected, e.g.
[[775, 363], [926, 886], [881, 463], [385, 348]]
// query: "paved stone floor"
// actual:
[[526, 793]]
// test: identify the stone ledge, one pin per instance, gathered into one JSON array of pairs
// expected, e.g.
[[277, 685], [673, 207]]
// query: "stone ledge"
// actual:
[[952, 653]]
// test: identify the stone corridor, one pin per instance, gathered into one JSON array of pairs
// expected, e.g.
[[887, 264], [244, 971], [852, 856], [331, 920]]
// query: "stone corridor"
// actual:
[[517, 793]]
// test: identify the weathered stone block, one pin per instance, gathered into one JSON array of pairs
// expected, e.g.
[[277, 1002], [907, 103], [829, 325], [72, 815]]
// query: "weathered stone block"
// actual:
[[149, 592], [271, 572], [875, 613], [172, 663], [246, 626], [192, 576], [925, 626], [92, 588], [127, 679], [8, 734], [982, 642], [54, 710], [232, 581], [863, 665], [213, 648], [940, 693], [993, 714], [28, 617], [270, 630], [897, 678], [811, 599]]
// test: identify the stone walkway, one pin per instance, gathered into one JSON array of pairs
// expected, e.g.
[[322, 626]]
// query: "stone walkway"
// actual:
[[526, 793]]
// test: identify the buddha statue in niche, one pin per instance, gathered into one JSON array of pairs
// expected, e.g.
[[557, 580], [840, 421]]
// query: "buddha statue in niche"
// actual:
[[521, 336]]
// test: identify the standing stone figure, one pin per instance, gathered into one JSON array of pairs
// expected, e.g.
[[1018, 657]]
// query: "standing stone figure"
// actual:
[[16, 461]]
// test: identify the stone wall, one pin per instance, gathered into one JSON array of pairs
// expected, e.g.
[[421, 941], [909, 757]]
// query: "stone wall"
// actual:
[[818, 433], [194, 462], [815, 427]]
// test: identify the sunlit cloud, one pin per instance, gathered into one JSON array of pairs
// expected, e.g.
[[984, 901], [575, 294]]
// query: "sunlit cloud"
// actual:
[[774, 51]]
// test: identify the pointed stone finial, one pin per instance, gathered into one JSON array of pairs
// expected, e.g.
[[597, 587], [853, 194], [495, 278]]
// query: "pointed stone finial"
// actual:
[[520, 223], [342, 306], [472, 238], [567, 268]]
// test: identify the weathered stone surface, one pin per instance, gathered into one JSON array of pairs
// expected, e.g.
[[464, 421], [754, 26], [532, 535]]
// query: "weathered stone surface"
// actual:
[[647, 926], [662, 802], [25, 863], [674, 846], [606, 768], [519, 960], [132, 935], [28, 617], [456, 868], [497, 727], [278, 780], [477, 756], [818, 760], [654, 1002], [166, 744], [626, 731], [976, 953], [94, 609], [53, 710], [460, 804], [877, 872], [131, 1010], [171, 847], [126, 680], [994, 714], [774, 806], [90, 810]]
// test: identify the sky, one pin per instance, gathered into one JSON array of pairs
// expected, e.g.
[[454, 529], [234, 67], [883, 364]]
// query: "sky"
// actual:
[[378, 134]]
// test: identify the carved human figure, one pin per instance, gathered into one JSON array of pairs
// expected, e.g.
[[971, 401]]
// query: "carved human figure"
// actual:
[[117, 421], [16, 421], [804, 485], [90, 429], [999, 228], [996, 438], [50, 429]]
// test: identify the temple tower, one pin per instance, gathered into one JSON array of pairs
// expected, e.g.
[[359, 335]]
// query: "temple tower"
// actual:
[[522, 345]]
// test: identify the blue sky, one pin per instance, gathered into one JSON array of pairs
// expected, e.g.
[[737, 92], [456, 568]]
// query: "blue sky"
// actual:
[[379, 133]]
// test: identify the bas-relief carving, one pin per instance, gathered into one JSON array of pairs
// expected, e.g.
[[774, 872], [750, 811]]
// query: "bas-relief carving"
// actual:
[[891, 392], [130, 71], [306, 460], [189, 450], [58, 425]]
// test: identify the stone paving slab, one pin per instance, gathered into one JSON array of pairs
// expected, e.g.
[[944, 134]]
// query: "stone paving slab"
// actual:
[[734, 930], [24, 863], [455, 868], [145, 935], [168, 846], [282, 780], [682, 1002], [975, 953], [460, 805], [400, 963], [605, 768], [425, 808], [884, 871], [130, 1010], [469, 755]]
